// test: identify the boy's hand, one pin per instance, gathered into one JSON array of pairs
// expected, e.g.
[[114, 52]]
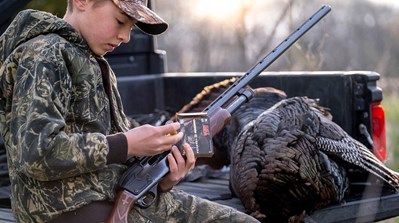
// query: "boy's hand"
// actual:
[[179, 167], [150, 140]]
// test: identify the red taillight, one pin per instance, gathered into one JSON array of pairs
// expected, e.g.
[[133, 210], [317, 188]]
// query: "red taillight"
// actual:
[[379, 135]]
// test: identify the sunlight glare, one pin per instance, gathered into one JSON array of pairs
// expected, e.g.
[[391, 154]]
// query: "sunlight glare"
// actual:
[[219, 10], [393, 3]]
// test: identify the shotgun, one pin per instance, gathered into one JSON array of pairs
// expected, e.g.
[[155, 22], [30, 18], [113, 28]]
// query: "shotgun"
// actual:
[[138, 185]]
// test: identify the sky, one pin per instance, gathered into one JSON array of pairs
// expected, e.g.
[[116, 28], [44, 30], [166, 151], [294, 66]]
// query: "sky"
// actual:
[[221, 10], [394, 3]]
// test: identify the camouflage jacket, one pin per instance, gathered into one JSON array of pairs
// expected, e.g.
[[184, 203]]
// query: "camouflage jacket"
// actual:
[[56, 118]]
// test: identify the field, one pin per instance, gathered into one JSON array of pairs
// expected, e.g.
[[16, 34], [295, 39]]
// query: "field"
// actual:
[[391, 106]]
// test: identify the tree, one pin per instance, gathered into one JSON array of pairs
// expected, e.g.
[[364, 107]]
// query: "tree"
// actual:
[[56, 7]]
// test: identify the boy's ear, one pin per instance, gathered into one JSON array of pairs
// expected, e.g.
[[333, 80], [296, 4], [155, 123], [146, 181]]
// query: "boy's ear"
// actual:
[[80, 4]]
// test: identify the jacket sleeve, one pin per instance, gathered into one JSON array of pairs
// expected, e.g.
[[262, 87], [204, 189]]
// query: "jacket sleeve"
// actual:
[[45, 148]]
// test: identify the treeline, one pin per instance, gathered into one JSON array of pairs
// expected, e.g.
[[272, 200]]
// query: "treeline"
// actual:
[[355, 35]]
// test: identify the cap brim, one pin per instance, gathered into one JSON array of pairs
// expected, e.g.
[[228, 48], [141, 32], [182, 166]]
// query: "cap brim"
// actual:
[[147, 20]]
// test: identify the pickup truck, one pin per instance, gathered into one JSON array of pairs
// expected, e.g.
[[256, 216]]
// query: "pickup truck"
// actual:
[[146, 88]]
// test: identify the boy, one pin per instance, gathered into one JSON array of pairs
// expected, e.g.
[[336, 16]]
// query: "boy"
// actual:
[[62, 120]]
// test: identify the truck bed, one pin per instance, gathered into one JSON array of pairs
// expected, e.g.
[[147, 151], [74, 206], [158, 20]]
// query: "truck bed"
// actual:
[[353, 92], [214, 186]]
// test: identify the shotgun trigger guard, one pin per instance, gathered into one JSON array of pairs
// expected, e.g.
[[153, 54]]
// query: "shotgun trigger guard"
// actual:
[[149, 198]]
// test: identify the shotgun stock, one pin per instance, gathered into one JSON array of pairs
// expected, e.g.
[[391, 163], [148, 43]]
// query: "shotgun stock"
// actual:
[[124, 202], [138, 185]]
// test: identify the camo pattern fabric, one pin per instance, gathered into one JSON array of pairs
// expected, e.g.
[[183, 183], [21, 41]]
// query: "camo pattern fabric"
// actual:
[[138, 10], [54, 118], [179, 207]]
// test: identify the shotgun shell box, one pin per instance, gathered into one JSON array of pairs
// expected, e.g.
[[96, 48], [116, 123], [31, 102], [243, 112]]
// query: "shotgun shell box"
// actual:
[[197, 132]]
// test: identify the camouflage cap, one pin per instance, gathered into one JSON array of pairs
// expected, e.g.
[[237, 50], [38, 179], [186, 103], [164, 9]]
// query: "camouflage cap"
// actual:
[[147, 20]]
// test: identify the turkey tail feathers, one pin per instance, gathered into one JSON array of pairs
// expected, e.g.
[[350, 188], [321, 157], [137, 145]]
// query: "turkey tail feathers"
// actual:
[[360, 156]]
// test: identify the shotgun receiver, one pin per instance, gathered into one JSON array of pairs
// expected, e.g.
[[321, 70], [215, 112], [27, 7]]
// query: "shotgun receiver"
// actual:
[[138, 185]]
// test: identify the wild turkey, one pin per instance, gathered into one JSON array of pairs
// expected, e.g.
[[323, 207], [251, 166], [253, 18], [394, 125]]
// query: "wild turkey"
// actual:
[[244, 174], [287, 159], [292, 159]]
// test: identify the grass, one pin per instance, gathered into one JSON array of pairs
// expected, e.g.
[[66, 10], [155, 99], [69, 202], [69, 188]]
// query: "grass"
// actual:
[[391, 107]]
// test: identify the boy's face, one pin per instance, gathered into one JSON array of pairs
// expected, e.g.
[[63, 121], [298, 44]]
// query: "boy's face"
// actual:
[[104, 26]]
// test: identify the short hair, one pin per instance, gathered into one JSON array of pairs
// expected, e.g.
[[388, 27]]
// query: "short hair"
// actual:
[[70, 5]]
